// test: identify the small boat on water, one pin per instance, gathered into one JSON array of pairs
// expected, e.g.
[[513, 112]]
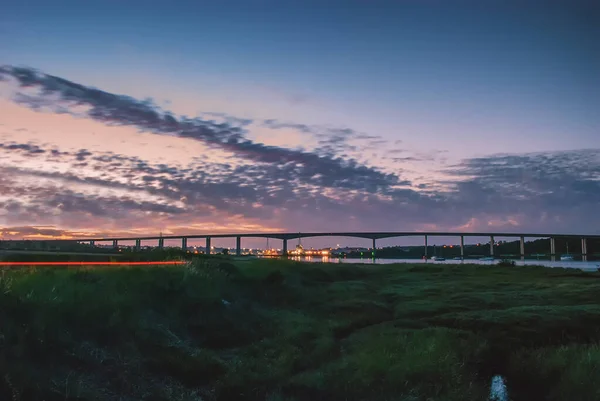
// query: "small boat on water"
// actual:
[[436, 258], [457, 258], [487, 259], [567, 257]]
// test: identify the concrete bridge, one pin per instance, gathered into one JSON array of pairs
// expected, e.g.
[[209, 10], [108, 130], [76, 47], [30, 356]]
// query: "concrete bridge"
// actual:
[[374, 236]]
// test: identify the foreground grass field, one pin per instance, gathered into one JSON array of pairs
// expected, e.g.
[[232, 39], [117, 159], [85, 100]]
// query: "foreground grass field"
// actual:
[[273, 330]]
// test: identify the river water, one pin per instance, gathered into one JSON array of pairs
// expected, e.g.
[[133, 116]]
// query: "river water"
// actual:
[[587, 266]]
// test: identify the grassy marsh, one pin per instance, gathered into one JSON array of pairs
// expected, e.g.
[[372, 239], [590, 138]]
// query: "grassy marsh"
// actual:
[[280, 330]]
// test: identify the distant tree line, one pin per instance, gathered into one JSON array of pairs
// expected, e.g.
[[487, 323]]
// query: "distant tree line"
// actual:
[[540, 247]]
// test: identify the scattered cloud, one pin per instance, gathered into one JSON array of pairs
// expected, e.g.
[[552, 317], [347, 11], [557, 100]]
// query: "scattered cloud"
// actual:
[[555, 189], [45, 188], [343, 142], [229, 119], [27, 148]]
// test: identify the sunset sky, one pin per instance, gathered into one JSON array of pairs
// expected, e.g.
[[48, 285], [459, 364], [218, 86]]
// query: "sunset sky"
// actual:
[[131, 117]]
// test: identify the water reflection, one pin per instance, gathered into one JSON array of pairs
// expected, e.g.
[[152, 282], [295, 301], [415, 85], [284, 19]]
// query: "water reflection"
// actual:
[[588, 266]]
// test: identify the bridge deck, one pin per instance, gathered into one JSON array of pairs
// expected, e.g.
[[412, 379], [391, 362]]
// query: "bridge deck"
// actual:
[[366, 235]]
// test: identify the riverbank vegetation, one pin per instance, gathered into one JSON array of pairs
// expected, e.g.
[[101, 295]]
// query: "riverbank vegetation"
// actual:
[[101, 255], [280, 330]]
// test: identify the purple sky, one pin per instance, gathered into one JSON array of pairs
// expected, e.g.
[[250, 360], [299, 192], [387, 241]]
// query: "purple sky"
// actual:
[[139, 118]]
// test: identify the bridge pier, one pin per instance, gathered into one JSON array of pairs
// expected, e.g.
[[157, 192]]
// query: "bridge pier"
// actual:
[[207, 246], [522, 247], [238, 246], [492, 246], [161, 243], [552, 249], [462, 247], [138, 244], [115, 243], [426, 247], [584, 249], [93, 243], [184, 244], [284, 252], [374, 249]]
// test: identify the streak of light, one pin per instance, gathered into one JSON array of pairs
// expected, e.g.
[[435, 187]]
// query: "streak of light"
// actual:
[[170, 262]]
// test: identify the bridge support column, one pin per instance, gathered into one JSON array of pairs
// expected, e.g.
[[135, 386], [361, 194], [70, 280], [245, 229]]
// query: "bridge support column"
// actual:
[[462, 247], [553, 249], [584, 249], [238, 246], [374, 253], [161, 243], [184, 244], [425, 247], [93, 243], [115, 243], [522, 247], [492, 246], [138, 244], [207, 246], [284, 251]]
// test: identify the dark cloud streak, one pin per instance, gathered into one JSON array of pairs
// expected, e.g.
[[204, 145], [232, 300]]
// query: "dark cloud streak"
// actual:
[[61, 95]]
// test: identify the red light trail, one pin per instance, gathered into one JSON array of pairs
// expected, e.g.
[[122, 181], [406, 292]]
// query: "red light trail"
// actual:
[[170, 262]]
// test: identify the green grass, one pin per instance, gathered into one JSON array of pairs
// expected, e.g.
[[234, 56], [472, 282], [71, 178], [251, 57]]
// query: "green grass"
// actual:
[[279, 330]]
